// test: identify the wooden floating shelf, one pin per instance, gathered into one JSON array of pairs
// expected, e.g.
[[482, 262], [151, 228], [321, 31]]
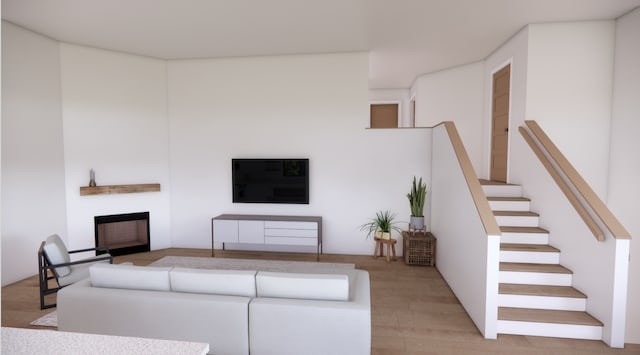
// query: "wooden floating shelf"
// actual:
[[118, 189]]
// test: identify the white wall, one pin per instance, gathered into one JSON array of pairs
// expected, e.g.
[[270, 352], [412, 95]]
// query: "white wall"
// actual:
[[110, 111], [569, 85], [456, 95], [1, 234], [399, 96], [115, 121], [514, 52], [310, 106], [624, 165], [579, 248], [466, 256], [33, 200], [569, 93]]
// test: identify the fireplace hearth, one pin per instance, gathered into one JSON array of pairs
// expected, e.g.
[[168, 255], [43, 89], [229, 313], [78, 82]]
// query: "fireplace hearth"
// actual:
[[123, 233]]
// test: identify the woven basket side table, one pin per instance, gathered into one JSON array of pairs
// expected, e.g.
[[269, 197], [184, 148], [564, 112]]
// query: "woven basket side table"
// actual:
[[419, 248]]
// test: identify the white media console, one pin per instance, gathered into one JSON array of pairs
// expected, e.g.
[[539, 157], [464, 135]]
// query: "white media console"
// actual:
[[267, 230]]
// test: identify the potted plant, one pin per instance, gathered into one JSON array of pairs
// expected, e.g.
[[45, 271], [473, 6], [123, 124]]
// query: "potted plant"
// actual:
[[381, 226], [416, 201]]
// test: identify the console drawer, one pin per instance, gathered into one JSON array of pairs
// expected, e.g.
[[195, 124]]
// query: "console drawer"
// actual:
[[295, 233], [290, 225], [290, 241]]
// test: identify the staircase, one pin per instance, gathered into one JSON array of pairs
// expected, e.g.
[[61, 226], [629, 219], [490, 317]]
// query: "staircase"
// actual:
[[535, 293]]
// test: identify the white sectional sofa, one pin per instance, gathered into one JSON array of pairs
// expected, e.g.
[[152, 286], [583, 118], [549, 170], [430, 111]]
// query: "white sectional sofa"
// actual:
[[235, 311]]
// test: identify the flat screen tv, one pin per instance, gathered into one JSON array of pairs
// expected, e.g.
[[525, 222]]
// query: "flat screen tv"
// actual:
[[270, 180]]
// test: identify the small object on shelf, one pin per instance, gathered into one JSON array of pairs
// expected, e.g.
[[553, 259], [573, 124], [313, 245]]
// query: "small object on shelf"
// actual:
[[92, 178], [419, 248]]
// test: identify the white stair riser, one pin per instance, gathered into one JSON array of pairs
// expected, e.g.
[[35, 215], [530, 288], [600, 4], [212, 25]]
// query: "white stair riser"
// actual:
[[502, 190], [543, 302], [571, 331], [518, 221], [525, 238], [550, 330], [535, 278], [530, 257], [510, 205]]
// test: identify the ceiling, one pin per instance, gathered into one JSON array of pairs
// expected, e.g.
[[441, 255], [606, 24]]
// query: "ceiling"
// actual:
[[405, 38]]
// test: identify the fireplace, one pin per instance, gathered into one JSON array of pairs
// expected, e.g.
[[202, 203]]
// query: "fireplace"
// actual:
[[123, 233]]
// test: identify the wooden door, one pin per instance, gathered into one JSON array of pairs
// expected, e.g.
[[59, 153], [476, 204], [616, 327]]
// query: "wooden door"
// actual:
[[500, 124], [384, 116]]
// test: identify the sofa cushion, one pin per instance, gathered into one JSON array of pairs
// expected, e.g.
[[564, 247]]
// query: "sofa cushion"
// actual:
[[331, 287], [130, 277], [218, 282], [57, 253]]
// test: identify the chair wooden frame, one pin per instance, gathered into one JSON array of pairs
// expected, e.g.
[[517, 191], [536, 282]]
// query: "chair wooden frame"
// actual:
[[47, 271]]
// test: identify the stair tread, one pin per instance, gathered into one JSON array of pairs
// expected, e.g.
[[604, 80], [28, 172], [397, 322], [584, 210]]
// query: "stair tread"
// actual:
[[531, 267], [517, 199], [547, 316], [515, 229], [516, 213], [540, 290], [529, 247], [492, 182]]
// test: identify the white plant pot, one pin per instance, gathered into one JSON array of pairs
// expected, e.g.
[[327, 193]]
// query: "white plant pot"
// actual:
[[417, 222]]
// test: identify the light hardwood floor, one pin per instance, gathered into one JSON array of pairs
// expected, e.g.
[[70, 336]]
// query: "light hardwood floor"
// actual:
[[413, 309]]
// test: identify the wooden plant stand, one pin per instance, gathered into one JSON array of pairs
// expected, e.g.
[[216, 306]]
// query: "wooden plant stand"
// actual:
[[391, 248]]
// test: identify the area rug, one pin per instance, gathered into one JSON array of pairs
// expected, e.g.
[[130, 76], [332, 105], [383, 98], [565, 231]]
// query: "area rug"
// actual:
[[249, 264], [48, 320]]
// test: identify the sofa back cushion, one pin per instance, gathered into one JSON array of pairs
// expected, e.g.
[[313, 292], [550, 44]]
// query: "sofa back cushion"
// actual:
[[130, 277], [218, 282], [330, 287]]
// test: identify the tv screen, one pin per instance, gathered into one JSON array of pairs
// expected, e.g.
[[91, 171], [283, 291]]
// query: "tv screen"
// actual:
[[270, 180]]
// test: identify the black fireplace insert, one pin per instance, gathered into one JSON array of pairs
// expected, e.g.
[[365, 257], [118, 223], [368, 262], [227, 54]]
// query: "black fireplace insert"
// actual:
[[123, 233]]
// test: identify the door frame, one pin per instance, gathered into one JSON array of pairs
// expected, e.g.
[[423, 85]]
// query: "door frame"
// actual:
[[412, 111], [489, 130]]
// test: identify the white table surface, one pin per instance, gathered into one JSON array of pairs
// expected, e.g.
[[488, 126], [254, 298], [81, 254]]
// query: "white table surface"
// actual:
[[18, 341]]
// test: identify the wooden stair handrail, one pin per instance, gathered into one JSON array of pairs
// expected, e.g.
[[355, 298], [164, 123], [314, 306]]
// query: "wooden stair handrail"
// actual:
[[584, 189], [479, 198], [573, 199]]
